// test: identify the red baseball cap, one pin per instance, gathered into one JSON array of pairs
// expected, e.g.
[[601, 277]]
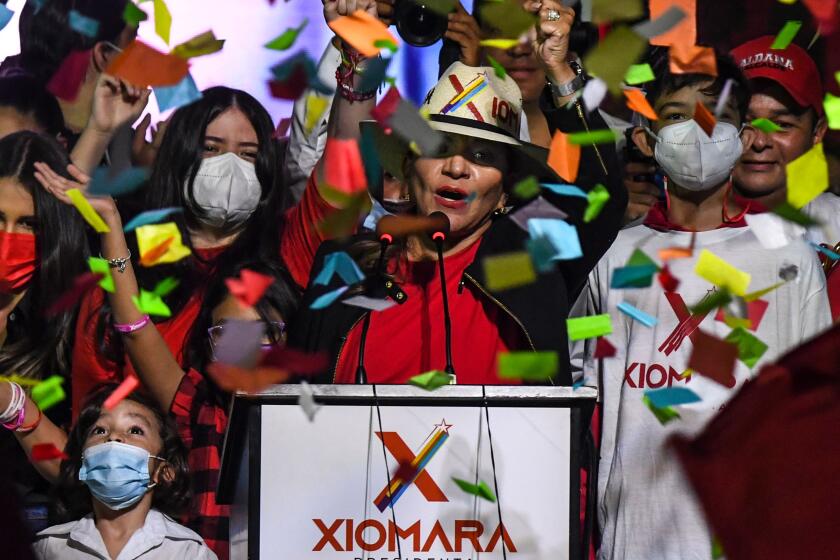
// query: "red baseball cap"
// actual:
[[792, 68]]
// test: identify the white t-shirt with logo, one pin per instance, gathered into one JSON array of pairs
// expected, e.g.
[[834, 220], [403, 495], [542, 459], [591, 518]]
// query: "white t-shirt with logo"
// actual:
[[826, 210], [646, 507]]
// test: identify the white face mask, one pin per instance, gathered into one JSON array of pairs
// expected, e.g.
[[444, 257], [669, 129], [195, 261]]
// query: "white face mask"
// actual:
[[693, 160], [226, 190]]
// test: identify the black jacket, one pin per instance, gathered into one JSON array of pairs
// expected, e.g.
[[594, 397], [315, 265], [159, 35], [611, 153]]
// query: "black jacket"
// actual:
[[540, 308]]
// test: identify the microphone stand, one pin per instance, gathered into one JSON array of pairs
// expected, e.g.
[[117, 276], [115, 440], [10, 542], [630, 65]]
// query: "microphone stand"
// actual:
[[438, 237], [361, 373]]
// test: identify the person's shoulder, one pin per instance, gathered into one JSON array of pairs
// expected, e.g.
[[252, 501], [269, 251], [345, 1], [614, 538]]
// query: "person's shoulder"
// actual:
[[825, 208], [62, 530], [175, 531]]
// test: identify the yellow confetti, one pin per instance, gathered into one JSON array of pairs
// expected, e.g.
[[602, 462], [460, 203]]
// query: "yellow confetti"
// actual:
[[163, 20], [87, 211], [504, 44], [807, 177], [510, 270], [752, 296], [721, 273], [316, 105], [151, 236]]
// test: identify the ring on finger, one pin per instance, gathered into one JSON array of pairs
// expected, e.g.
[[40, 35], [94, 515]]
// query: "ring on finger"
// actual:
[[552, 15]]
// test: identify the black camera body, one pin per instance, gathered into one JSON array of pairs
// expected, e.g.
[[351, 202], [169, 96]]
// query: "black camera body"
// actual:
[[418, 24]]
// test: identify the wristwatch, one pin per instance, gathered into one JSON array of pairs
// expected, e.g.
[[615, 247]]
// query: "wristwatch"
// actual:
[[564, 90]]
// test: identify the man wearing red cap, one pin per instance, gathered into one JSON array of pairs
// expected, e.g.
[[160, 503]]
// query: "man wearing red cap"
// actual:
[[788, 91]]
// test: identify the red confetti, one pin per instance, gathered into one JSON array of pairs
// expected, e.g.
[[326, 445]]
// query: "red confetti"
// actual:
[[295, 361], [293, 86], [67, 80], [755, 313], [128, 385], [382, 112], [81, 285], [282, 128], [47, 452], [344, 170], [713, 358], [249, 287], [406, 472], [668, 281], [603, 348], [705, 119], [231, 378]]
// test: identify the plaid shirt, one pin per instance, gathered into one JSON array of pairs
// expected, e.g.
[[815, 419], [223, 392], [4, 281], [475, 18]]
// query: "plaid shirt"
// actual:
[[201, 425]]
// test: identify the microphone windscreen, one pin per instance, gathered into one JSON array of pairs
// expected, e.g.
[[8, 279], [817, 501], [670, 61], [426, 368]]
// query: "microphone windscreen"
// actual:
[[441, 222], [402, 226]]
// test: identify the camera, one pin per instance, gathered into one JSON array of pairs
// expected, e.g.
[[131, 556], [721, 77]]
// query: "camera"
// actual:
[[418, 24]]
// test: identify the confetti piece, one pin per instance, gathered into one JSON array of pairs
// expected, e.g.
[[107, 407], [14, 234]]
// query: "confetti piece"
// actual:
[[339, 263], [503, 44], [527, 189], [286, 39], [239, 343], [374, 304], [750, 348], [528, 366], [6, 16], [562, 235], [295, 361], [605, 11], [25, 381], [163, 20], [723, 98], [128, 385], [80, 23], [807, 177], [597, 198], [714, 300], [611, 58], [603, 349], [633, 276], [47, 452], [150, 303], [664, 415], [713, 358], [81, 285], [580, 328], [386, 44], [691, 59], [717, 548], [154, 236], [721, 273], [786, 35], [165, 286], [361, 30], [639, 74], [511, 270], [755, 313], [825, 251], [498, 69], [481, 489], [87, 211], [48, 392], [200, 45], [102, 268], [177, 96], [344, 169], [132, 15], [407, 122], [542, 253], [67, 80], [766, 125], [431, 380], [306, 401], [232, 378], [129, 180], [671, 396], [593, 93], [249, 288], [142, 66], [328, 299], [564, 157], [637, 102], [637, 314], [151, 217], [374, 74], [640, 258], [564, 190], [667, 280], [794, 215], [832, 111], [606, 136], [705, 119], [672, 21], [507, 17]]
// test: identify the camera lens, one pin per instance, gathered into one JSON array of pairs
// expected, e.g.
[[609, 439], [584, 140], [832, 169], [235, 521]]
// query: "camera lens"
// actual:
[[417, 24]]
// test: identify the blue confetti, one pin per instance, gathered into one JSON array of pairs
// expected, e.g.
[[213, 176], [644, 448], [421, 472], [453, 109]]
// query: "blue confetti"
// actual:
[[672, 396], [6, 16], [83, 24], [640, 276], [827, 252], [174, 97], [103, 183], [340, 263], [637, 314], [564, 190], [562, 235], [150, 217], [328, 299]]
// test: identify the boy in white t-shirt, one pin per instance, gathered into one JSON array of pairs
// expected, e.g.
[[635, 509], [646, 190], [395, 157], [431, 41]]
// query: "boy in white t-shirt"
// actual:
[[646, 507]]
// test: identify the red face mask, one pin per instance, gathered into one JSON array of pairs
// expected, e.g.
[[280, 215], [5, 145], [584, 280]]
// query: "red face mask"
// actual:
[[18, 259]]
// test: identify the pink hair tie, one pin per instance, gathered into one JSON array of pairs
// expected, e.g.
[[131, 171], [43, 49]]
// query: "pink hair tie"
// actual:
[[131, 327]]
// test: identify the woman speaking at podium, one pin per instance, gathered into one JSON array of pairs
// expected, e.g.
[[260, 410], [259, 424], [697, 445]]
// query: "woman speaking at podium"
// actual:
[[467, 211]]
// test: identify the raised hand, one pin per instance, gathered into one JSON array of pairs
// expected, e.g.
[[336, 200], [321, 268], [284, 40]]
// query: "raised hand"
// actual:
[[333, 9], [552, 41], [58, 185], [143, 153], [115, 103], [464, 30]]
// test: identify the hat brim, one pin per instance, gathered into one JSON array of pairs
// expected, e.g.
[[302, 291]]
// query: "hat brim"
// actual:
[[392, 149], [801, 97]]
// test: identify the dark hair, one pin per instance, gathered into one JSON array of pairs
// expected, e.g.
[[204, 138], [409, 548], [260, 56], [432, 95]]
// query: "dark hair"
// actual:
[[29, 97], [667, 82], [38, 344], [281, 297], [46, 37], [72, 497]]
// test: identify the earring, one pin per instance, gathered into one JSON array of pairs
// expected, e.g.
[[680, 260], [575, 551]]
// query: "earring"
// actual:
[[500, 211]]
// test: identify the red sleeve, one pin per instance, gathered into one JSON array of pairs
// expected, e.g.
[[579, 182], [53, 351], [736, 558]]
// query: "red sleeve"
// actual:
[[833, 285], [89, 368], [196, 416], [301, 238]]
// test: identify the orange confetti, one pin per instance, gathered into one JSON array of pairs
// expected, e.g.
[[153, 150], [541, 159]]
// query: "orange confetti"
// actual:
[[128, 385], [564, 157], [705, 119], [637, 101], [691, 59], [231, 378], [141, 65], [684, 32], [361, 30], [156, 252]]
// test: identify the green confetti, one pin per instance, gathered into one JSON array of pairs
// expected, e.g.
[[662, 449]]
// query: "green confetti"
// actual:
[[832, 111], [101, 266], [151, 304], [498, 68], [639, 74], [593, 326], [640, 258], [386, 44], [611, 58], [48, 392], [587, 138], [527, 188], [664, 414], [766, 125], [163, 20], [530, 366], [791, 214], [750, 348], [287, 38], [715, 300], [481, 489], [443, 7], [717, 549], [431, 380], [133, 15], [597, 198], [165, 286], [507, 18], [786, 35]]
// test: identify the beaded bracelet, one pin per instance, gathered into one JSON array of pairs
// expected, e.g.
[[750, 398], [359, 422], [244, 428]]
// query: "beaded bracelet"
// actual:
[[131, 327], [346, 73]]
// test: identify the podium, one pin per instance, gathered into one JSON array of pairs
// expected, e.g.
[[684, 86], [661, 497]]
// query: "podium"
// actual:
[[381, 471]]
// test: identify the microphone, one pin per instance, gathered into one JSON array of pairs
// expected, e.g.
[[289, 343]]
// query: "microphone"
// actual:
[[403, 226], [438, 235], [385, 239]]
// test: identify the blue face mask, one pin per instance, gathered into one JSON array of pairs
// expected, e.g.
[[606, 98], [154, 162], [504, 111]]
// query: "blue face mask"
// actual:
[[117, 474]]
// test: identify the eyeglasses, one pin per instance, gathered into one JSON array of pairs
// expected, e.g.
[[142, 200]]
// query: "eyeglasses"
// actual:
[[275, 332]]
